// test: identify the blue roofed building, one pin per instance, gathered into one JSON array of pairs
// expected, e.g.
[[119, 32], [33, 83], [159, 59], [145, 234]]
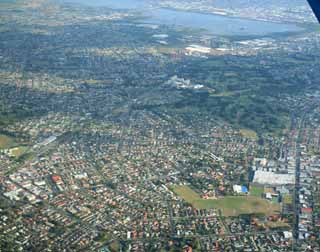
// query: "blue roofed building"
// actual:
[[244, 189]]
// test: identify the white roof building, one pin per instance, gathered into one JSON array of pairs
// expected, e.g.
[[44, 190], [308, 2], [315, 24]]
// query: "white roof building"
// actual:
[[272, 178], [237, 188]]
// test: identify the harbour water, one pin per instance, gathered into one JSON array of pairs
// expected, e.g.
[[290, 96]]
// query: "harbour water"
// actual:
[[214, 24]]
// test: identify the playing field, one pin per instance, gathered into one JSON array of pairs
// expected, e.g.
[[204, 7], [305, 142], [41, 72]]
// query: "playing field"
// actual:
[[5, 141], [256, 191], [230, 205], [249, 134], [18, 151]]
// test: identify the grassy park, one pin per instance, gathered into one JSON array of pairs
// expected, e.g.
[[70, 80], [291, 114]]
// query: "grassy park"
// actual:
[[249, 134], [18, 151], [5, 142], [229, 205], [256, 191]]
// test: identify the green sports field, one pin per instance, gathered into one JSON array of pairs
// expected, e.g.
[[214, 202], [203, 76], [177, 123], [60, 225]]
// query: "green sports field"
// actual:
[[5, 141], [229, 205]]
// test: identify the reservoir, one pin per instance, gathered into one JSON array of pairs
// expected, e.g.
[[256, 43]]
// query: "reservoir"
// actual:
[[213, 24]]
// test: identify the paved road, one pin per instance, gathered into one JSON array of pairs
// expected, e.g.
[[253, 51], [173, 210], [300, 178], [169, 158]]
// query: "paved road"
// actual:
[[296, 192]]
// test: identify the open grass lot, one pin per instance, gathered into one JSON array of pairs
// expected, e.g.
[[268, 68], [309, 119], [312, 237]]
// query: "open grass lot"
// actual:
[[277, 224], [249, 134], [223, 94], [18, 151], [5, 141], [114, 246], [105, 238], [287, 199], [186, 193], [256, 191], [230, 205]]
